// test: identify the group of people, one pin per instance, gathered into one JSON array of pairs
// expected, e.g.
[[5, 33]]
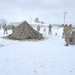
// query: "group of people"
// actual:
[[44, 30], [68, 34]]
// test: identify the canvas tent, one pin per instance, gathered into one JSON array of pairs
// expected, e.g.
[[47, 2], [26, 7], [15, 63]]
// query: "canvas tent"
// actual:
[[25, 31]]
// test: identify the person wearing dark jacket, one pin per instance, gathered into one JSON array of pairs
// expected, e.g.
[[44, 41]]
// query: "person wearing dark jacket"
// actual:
[[49, 30]]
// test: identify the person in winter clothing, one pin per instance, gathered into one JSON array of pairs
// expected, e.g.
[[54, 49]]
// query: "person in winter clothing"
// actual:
[[49, 30], [38, 28], [63, 34], [44, 31], [5, 29], [68, 31], [72, 38], [64, 30]]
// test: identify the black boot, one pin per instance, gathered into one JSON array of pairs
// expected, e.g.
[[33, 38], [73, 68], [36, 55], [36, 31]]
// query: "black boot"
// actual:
[[66, 45]]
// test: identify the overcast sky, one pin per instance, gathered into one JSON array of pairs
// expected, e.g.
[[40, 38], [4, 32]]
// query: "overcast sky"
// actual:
[[49, 11]]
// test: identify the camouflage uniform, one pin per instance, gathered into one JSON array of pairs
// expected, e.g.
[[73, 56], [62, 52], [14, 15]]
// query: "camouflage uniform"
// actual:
[[5, 29], [68, 31], [72, 38]]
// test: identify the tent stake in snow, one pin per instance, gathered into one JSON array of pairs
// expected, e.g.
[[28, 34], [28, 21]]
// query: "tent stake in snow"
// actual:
[[4, 44]]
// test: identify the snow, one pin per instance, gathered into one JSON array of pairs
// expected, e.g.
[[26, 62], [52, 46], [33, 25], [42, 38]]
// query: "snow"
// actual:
[[45, 57]]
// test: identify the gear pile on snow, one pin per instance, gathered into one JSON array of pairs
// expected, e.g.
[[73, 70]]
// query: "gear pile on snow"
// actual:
[[25, 31]]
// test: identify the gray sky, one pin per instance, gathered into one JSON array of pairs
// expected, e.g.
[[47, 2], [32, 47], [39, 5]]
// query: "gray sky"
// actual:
[[49, 11]]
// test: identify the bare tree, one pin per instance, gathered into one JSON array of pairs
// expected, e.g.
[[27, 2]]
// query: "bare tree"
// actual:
[[37, 20]]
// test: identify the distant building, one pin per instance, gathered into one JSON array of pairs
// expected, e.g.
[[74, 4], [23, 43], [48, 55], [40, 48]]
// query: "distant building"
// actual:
[[14, 23], [3, 21]]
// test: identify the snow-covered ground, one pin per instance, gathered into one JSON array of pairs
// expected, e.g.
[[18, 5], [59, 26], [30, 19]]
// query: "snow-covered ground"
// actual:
[[46, 57]]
